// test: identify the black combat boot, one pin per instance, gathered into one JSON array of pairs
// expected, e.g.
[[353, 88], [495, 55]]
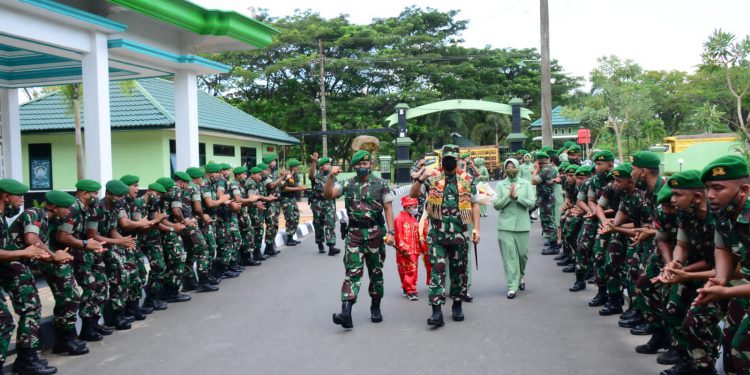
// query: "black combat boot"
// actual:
[[554, 249], [321, 248], [227, 272], [173, 296], [683, 366], [580, 283], [104, 331], [457, 313], [188, 282], [134, 310], [65, 342], [670, 357], [375, 314], [119, 321], [629, 312], [271, 249], [248, 260], [344, 319], [613, 305], [257, 255], [146, 310], [88, 332], [567, 262], [642, 329], [290, 241], [28, 363], [632, 321], [659, 340], [600, 298], [562, 256], [204, 285], [153, 301], [570, 268], [332, 250], [436, 320]]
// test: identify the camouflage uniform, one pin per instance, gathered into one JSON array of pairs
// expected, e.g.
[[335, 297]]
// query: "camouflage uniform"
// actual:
[[364, 202], [572, 224], [88, 267], [545, 192], [289, 203], [103, 219], [585, 237], [224, 238], [194, 242], [59, 276], [609, 197], [632, 205], [273, 209], [247, 243], [255, 215], [150, 242], [448, 238], [324, 212], [174, 252], [134, 264], [17, 280]]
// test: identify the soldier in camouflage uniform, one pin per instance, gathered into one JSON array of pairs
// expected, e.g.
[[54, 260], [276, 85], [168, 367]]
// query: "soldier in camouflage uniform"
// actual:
[[543, 176], [215, 206], [290, 194], [88, 264], [197, 224], [366, 198], [727, 190], [255, 186], [273, 183], [571, 220], [324, 210], [102, 225], [33, 227], [227, 224], [451, 207], [233, 209], [174, 252], [240, 194], [17, 280]]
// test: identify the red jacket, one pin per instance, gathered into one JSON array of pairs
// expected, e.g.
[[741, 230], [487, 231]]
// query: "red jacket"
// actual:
[[407, 233]]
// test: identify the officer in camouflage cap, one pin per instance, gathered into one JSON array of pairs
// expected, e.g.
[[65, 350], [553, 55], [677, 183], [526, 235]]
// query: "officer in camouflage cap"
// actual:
[[543, 177], [273, 182], [366, 198], [324, 210], [451, 207], [290, 193]]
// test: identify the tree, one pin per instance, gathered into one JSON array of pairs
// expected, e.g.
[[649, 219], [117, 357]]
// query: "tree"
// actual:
[[724, 53]]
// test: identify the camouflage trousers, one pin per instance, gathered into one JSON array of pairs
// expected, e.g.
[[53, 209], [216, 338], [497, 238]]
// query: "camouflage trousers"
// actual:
[[91, 274], [258, 234], [358, 253], [585, 244], [456, 255], [601, 243], [157, 267], [197, 249], [248, 236], [631, 268], [174, 258], [64, 289], [613, 267], [324, 221], [547, 218], [676, 309], [272, 222], [118, 276], [570, 234], [6, 329], [136, 269], [228, 241], [17, 280], [291, 215], [736, 337], [652, 298], [702, 332]]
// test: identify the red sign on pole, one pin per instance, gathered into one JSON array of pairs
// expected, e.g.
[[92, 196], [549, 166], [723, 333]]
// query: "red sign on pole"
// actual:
[[584, 136]]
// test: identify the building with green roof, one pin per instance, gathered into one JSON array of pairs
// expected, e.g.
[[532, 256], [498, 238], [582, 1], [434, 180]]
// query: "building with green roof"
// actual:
[[143, 134], [563, 128]]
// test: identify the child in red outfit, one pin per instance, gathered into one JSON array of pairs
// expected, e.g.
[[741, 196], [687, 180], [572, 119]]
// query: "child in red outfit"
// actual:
[[409, 247]]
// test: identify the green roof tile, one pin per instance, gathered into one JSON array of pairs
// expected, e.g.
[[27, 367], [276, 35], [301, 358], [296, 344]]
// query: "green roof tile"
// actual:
[[558, 120], [150, 104]]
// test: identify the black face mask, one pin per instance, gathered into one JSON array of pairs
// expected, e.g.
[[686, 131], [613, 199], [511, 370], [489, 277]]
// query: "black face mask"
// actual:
[[729, 211], [449, 164], [11, 211]]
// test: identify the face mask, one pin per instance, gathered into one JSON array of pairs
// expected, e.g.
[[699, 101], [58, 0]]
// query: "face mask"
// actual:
[[362, 171], [511, 173], [93, 201], [641, 182], [450, 164], [325, 172], [730, 210], [11, 211], [274, 167], [414, 212]]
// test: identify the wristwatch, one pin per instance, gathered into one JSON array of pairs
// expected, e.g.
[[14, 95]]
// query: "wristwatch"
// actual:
[[85, 243]]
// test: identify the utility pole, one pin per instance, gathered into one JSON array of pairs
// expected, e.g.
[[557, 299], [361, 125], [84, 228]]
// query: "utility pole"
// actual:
[[323, 96], [546, 76]]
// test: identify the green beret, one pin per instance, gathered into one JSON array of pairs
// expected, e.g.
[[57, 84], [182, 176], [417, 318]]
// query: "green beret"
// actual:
[[623, 170], [564, 165], [13, 187], [88, 185], [568, 144], [730, 167], [571, 168], [255, 170], [646, 159], [360, 156], [552, 153], [195, 172], [690, 179], [129, 179], [263, 166], [212, 168], [546, 148], [584, 170], [541, 155], [269, 158], [239, 170], [59, 198], [157, 187], [225, 166], [522, 152], [292, 163], [183, 176], [322, 161], [166, 182], [465, 155], [604, 155], [665, 194], [117, 187], [574, 149]]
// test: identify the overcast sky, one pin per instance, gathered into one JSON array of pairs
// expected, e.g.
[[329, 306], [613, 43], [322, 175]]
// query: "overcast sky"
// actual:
[[657, 34]]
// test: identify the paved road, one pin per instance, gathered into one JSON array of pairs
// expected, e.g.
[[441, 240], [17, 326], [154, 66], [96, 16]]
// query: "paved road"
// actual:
[[276, 319]]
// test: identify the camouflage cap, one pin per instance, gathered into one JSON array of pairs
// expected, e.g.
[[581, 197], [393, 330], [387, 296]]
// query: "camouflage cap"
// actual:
[[450, 151]]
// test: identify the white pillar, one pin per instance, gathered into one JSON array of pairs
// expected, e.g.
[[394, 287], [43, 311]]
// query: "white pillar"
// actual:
[[10, 115], [96, 122], [186, 119]]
